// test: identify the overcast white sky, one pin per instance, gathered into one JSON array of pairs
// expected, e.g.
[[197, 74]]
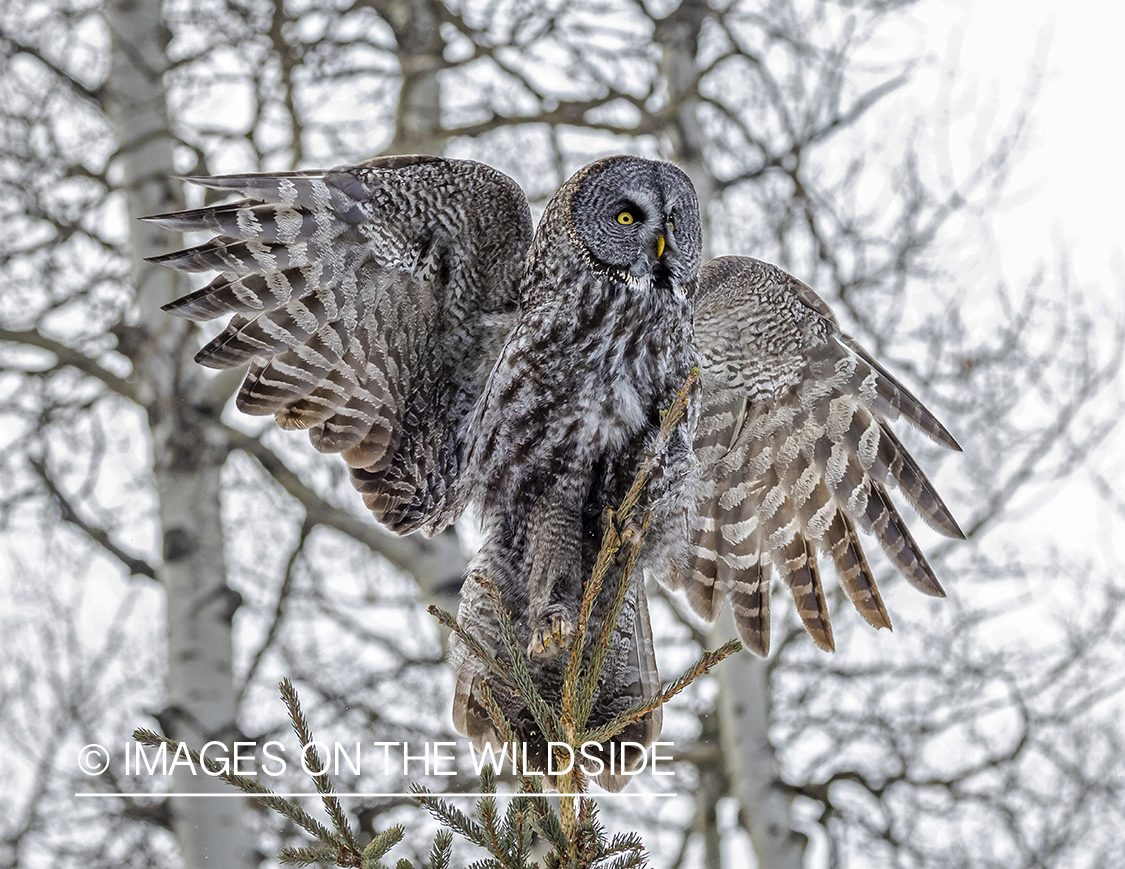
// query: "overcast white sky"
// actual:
[[1067, 187], [1073, 173]]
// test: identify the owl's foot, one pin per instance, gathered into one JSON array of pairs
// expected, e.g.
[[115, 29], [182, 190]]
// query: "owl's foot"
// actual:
[[630, 538], [550, 637], [629, 534]]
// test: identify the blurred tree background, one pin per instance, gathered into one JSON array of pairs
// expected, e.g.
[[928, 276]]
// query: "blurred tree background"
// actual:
[[165, 560]]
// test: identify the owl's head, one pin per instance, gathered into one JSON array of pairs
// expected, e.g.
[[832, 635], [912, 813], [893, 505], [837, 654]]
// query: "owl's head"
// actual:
[[634, 218]]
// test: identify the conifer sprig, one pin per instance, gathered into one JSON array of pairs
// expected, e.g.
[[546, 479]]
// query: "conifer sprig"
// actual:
[[312, 760]]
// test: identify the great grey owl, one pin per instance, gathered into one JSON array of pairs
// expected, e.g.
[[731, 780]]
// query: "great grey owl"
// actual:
[[404, 313]]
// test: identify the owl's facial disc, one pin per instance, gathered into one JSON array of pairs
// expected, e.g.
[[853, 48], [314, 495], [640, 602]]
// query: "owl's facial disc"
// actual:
[[639, 218]]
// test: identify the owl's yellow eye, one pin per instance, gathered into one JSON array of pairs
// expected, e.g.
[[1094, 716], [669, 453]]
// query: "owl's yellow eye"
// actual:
[[626, 217]]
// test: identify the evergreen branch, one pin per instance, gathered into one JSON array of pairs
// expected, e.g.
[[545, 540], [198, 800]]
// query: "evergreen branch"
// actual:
[[610, 544], [488, 779], [601, 649], [638, 711], [486, 811], [249, 786], [340, 848], [623, 843], [519, 829], [381, 844], [441, 851], [612, 540], [321, 779], [450, 816], [497, 717], [668, 420], [479, 651], [628, 860], [307, 856], [543, 816], [590, 837], [545, 717]]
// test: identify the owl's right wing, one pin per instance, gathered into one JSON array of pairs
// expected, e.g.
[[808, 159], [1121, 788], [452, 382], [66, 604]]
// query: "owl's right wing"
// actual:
[[796, 450], [369, 304]]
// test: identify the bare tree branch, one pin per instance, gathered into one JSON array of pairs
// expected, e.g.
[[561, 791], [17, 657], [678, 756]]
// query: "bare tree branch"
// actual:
[[431, 562], [73, 358]]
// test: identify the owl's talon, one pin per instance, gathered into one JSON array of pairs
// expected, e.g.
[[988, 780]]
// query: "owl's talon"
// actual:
[[630, 536], [548, 641]]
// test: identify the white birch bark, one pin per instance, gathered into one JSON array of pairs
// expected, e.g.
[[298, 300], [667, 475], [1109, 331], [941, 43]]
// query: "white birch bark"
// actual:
[[418, 121], [188, 448], [678, 37], [751, 760]]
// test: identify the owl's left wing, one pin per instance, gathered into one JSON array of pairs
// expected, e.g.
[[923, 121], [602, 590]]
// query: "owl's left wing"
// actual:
[[369, 303], [796, 451]]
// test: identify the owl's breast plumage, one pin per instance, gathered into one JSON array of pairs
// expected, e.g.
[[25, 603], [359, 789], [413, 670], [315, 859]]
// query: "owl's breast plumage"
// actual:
[[578, 389]]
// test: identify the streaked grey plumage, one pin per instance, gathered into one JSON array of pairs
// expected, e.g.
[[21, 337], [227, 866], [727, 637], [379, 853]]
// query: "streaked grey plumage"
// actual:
[[402, 311], [600, 348]]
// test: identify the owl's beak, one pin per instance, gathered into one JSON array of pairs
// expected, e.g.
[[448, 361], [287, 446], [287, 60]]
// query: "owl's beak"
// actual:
[[666, 241]]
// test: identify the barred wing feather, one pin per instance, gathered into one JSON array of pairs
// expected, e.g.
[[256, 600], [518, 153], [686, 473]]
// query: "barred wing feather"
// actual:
[[368, 303], [797, 452]]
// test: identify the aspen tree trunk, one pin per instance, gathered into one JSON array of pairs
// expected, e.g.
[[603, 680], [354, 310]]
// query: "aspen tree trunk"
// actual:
[[678, 36], [188, 447], [749, 756], [418, 120]]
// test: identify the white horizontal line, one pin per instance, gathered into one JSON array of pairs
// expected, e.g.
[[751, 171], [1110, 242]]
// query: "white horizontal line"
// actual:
[[379, 794]]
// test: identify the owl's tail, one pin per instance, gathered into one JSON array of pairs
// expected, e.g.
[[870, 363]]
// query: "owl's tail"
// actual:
[[621, 757]]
